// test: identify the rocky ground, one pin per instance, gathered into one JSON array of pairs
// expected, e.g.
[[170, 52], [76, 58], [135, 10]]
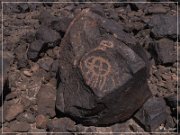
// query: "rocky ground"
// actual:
[[32, 34]]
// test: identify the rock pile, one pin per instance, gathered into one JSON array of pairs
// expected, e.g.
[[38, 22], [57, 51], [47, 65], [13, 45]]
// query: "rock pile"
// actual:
[[67, 66]]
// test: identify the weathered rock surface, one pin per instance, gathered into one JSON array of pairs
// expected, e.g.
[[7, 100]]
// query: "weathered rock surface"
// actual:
[[13, 111], [164, 26], [26, 117], [61, 125], [46, 100], [17, 126], [165, 51], [152, 114], [45, 63], [20, 54], [99, 72], [34, 49], [156, 9], [41, 121], [172, 101], [49, 36], [61, 24], [24, 80], [6, 58]]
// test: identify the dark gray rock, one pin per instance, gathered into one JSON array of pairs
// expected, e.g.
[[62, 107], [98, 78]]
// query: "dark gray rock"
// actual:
[[20, 53], [172, 101], [11, 8], [54, 68], [45, 63], [164, 26], [23, 7], [35, 49], [170, 123], [29, 37], [61, 125], [43, 18], [46, 100], [7, 59], [100, 68], [49, 36], [61, 24], [165, 51], [152, 114]]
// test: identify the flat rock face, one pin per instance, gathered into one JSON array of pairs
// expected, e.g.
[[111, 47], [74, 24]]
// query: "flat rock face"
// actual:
[[102, 71], [164, 25], [165, 51], [152, 114]]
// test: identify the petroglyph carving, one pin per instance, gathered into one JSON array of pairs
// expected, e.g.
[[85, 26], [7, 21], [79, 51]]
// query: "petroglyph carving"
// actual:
[[98, 69], [105, 44]]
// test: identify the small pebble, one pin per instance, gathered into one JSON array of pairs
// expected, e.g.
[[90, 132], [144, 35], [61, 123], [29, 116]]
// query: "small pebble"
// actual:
[[27, 73]]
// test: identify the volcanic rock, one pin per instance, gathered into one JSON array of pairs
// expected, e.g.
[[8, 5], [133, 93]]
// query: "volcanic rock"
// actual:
[[164, 26], [34, 49], [46, 100], [61, 125], [6, 58], [170, 122], [54, 67], [43, 18], [61, 24], [26, 117], [49, 36], [45, 63], [23, 7], [13, 111], [165, 51], [20, 53], [41, 121], [172, 101], [17, 126], [100, 67], [152, 114]]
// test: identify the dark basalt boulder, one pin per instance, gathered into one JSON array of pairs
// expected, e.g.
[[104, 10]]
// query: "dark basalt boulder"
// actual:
[[152, 114], [6, 59], [102, 71]]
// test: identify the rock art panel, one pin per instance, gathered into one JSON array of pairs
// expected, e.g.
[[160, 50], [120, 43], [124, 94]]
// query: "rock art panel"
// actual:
[[103, 77]]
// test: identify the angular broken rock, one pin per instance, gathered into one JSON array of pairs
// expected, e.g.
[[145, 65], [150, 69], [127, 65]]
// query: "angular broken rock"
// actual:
[[102, 72], [61, 125], [152, 114], [49, 36], [35, 49], [13, 111], [46, 100], [164, 26], [165, 51]]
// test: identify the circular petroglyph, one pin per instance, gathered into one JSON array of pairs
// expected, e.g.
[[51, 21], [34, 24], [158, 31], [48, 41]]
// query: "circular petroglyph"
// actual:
[[97, 70]]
